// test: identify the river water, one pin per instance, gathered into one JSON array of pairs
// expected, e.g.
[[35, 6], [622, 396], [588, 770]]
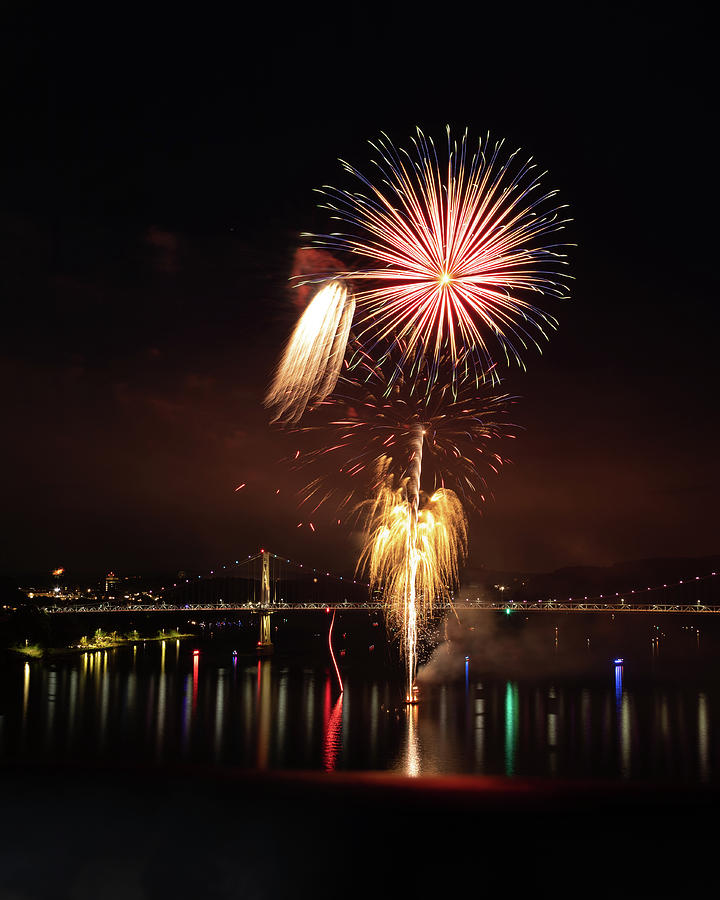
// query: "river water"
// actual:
[[199, 701]]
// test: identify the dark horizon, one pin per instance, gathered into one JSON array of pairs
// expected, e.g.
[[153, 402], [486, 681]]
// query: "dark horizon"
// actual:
[[623, 574], [155, 188]]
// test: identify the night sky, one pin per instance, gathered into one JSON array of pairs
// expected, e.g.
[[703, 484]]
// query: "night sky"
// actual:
[[156, 178]]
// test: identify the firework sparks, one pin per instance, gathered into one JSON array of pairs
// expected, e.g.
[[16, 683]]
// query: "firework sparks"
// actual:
[[309, 368], [413, 547], [445, 262], [389, 436], [451, 252], [370, 417]]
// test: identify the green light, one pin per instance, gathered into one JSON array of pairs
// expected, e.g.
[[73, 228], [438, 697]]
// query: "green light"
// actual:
[[512, 709], [508, 611]]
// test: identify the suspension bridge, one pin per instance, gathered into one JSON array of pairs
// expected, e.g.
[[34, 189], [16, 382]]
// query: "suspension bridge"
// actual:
[[266, 583]]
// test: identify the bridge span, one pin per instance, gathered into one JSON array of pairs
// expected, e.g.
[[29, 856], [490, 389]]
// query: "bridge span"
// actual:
[[261, 585], [374, 606]]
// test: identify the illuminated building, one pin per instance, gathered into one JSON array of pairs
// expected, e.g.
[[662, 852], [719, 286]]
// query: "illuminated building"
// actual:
[[111, 581]]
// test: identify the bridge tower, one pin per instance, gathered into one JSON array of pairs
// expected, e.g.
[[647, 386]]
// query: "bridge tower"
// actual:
[[265, 645]]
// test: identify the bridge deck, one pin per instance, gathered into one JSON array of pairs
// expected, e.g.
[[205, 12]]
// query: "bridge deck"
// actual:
[[533, 606]]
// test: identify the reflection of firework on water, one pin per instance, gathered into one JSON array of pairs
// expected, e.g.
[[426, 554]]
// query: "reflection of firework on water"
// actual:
[[372, 415], [414, 543], [452, 251], [309, 368]]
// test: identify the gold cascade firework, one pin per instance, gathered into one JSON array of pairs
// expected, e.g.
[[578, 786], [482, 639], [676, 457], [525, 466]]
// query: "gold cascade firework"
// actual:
[[413, 546]]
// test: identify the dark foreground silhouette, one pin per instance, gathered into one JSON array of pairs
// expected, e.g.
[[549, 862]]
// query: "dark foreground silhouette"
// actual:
[[131, 833]]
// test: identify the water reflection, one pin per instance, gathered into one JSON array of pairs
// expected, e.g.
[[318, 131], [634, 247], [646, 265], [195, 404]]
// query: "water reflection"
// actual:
[[412, 754], [161, 709], [72, 708], [479, 730], [622, 707], [703, 737], [511, 726], [219, 713], [264, 711], [50, 713], [333, 728], [187, 710], [147, 704], [373, 705], [625, 737], [26, 690], [104, 685], [282, 715]]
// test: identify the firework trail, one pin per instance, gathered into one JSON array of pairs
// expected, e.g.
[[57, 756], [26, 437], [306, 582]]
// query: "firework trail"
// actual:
[[309, 368]]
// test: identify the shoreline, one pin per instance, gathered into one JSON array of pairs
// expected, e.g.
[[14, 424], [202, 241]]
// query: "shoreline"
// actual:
[[46, 652]]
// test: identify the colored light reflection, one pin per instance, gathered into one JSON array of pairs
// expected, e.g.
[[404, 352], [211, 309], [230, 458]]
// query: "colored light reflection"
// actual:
[[333, 729], [511, 726], [703, 723], [264, 712], [413, 744], [622, 705], [26, 690], [219, 713], [186, 708]]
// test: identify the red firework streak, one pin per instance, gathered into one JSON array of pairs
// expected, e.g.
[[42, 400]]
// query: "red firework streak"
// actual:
[[332, 655]]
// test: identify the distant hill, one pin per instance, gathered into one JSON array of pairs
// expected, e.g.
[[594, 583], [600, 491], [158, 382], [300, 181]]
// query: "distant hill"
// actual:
[[574, 581]]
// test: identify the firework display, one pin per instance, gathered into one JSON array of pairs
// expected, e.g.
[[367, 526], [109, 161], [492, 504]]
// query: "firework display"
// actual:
[[447, 255], [372, 413], [309, 368], [413, 545], [393, 359]]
